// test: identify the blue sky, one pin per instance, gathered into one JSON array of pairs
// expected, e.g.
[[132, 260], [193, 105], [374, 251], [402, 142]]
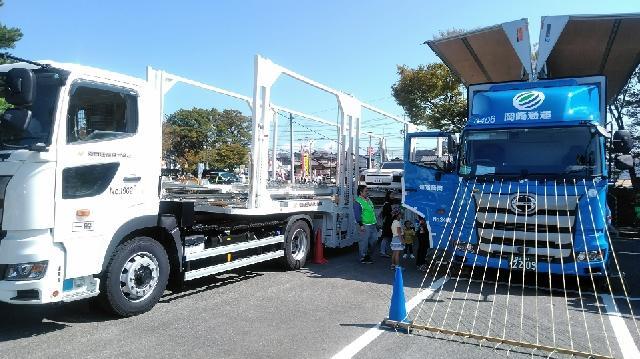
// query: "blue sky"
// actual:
[[352, 46]]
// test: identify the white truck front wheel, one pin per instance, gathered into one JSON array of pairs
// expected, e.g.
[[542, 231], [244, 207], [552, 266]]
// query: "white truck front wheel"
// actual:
[[136, 277], [139, 276]]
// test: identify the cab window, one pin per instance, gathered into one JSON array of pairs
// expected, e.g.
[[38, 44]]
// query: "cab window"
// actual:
[[100, 112], [431, 152]]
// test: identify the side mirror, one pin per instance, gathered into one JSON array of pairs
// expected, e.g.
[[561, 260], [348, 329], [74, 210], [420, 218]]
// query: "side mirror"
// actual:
[[452, 144], [17, 118], [622, 142], [443, 166], [20, 87], [624, 162]]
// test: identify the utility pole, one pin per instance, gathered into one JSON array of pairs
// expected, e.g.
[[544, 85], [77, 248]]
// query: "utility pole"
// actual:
[[275, 144], [292, 174], [370, 152], [310, 159]]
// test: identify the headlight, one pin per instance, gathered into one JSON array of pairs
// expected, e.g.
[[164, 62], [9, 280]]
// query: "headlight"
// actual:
[[26, 271], [590, 256], [467, 247], [595, 256]]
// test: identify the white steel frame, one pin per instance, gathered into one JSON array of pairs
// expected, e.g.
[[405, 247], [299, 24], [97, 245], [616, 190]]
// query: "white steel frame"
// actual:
[[264, 117]]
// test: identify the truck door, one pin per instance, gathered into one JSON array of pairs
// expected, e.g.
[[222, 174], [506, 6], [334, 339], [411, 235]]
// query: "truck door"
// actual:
[[105, 173], [430, 179]]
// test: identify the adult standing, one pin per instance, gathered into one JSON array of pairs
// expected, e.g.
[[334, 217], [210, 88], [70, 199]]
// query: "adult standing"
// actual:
[[386, 219], [422, 235], [366, 218]]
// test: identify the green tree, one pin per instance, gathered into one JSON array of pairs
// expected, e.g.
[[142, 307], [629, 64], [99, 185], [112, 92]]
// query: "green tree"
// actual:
[[431, 96], [219, 138], [8, 38], [226, 156], [626, 106], [627, 103]]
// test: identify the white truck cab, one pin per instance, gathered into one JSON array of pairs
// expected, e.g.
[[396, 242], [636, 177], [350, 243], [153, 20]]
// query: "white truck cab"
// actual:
[[77, 165]]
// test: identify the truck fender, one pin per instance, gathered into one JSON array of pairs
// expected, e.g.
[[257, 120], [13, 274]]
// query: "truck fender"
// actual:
[[171, 230], [298, 217], [162, 228]]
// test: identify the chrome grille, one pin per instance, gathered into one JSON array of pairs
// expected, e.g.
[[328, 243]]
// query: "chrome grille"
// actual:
[[508, 224]]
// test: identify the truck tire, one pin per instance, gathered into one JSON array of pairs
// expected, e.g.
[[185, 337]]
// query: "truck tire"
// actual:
[[296, 245], [135, 278]]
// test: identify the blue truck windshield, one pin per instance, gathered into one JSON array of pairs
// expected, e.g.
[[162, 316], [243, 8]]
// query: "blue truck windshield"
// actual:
[[43, 108], [543, 152]]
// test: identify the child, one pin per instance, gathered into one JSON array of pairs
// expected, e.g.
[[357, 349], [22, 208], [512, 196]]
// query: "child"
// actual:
[[407, 240], [396, 240]]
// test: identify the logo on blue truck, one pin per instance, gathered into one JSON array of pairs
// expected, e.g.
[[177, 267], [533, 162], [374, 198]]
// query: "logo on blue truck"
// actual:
[[523, 204], [528, 100]]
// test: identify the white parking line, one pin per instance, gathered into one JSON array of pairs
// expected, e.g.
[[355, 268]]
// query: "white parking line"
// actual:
[[624, 338], [357, 345], [631, 253]]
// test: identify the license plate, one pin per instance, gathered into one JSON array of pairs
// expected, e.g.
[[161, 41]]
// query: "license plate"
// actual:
[[525, 263], [378, 180]]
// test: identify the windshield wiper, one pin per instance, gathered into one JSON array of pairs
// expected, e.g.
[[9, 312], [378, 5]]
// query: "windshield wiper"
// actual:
[[12, 147], [577, 169], [38, 146]]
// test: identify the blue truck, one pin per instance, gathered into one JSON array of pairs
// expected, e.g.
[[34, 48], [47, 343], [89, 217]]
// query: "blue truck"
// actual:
[[524, 185]]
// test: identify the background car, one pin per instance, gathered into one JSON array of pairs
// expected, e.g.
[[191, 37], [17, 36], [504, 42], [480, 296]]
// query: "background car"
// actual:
[[387, 178], [220, 177]]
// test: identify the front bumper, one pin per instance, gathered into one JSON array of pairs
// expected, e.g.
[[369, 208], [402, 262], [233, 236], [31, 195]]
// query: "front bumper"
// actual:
[[32, 246], [570, 267]]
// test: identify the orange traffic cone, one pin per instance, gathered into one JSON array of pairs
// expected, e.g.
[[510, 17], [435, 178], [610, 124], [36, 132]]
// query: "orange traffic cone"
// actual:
[[318, 253]]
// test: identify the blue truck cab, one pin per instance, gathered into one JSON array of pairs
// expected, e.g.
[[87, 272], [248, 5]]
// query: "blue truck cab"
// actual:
[[525, 185]]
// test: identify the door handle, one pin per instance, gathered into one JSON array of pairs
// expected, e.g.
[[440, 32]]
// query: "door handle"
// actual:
[[132, 179]]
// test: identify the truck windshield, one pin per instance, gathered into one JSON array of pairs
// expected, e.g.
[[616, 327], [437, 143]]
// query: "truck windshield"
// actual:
[[545, 152], [43, 108]]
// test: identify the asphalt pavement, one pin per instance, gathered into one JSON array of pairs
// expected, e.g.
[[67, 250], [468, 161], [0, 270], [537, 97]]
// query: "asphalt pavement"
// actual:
[[326, 310]]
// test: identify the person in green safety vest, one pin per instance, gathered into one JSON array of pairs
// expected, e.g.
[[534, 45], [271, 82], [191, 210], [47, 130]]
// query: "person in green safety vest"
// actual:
[[365, 216]]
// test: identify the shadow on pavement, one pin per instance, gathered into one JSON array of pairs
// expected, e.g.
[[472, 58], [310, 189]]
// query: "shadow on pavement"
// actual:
[[208, 283], [22, 321]]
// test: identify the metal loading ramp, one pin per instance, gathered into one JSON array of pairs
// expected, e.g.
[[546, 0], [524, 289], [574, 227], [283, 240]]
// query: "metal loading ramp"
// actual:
[[522, 308], [590, 45]]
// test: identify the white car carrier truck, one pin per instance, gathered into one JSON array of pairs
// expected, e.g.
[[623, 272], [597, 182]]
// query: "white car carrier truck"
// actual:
[[83, 210]]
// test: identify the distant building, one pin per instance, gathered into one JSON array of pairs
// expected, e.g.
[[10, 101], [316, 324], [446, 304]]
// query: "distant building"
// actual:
[[323, 163]]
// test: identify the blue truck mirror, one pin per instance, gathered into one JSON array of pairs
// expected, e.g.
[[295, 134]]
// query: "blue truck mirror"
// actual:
[[452, 144], [622, 142]]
